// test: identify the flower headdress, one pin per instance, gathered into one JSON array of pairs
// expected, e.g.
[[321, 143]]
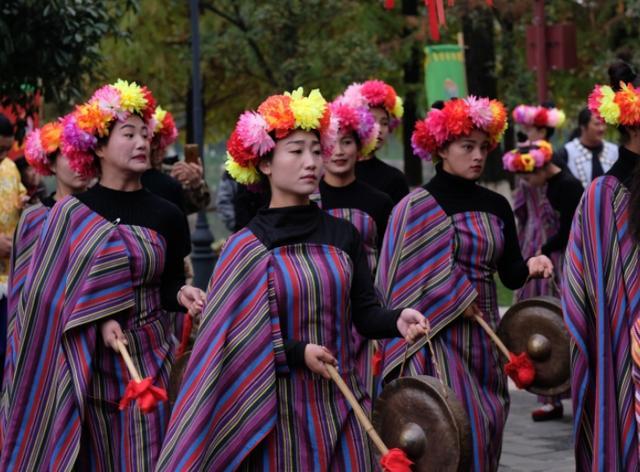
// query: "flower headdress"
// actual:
[[163, 127], [528, 158], [372, 94], [40, 144], [458, 118], [357, 120], [531, 115], [616, 108], [255, 132], [92, 120]]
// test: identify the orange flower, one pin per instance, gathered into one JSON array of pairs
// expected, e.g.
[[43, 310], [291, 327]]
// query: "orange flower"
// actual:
[[50, 136], [277, 112], [628, 99], [458, 122], [92, 119]]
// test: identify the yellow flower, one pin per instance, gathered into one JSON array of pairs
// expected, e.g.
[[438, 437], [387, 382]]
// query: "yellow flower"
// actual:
[[528, 162], [132, 98], [398, 108], [159, 116], [609, 109], [307, 110], [243, 175]]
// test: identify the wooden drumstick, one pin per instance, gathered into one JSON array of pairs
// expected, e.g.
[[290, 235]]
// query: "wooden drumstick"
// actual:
[[127, 360], [357, 409], [493, 336]]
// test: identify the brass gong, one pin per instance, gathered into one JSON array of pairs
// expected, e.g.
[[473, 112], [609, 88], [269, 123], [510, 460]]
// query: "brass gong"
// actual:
[[424, 418], [536, 326]]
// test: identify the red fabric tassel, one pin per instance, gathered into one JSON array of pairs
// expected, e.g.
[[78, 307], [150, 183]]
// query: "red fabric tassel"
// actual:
[[521, 370], [377, 362], [396, 461], [389, 4], [434, 31], [146, 395], [186, 334], [490, 3], [451, 3], [440, 8]]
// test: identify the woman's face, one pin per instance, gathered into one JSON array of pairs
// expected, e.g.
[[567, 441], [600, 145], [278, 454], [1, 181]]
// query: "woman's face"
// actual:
[[66, 176], [382, 118], [296, 165], [537, 178], [535, 133], [344, 157], [127, 150], [466, 156]]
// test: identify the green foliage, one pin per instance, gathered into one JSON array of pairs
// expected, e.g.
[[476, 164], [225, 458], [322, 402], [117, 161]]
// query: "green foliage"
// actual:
[[53, 44]]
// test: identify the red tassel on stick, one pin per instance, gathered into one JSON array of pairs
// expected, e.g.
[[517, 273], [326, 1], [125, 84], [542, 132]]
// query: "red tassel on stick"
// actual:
[[521, 369], [186, 334], [144, 394], [389, 4], [396, 461], [434, 31]]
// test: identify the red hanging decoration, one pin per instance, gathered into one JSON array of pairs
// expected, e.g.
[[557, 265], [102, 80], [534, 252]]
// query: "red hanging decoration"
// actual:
[[451, 3], [377, 362], [389, 4], [186, 334], [490, 3], [145, 395], [440, 8], [396, 461], [434, 31], [521, 369]]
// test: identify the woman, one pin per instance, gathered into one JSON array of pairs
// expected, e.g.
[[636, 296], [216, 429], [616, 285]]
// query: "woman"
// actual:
[[343, 196], [107, 269], [443, 245], [256, 394], [557, 193], [601, 298], [42, 152], [386, 107]]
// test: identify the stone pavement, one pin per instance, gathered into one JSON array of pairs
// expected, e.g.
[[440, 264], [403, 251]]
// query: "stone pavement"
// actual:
[[536, 447]]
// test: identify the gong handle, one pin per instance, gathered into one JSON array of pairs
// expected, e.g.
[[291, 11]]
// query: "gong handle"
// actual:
[[493, 336], [127, 360], [357, 409]]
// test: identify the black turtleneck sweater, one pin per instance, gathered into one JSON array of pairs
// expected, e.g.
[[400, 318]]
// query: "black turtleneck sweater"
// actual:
[[458, 195], [165, 186], [376, 204], [276, 227], [142, 208], [624, 167], [383, 177], [49, 200], [564, 192]]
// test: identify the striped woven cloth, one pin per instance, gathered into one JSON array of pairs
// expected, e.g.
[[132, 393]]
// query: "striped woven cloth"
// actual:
[[601, 301]]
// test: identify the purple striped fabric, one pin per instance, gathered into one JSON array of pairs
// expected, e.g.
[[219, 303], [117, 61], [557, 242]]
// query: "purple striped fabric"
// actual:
[[468, 359], [240, 406], [24, 242], [63, 414], [537, 221], [601, 301]]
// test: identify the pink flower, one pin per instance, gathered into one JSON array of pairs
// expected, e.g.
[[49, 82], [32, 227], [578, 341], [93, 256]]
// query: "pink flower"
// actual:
[[252, 131], [375, 92], [479, 111], [437, 122], [108, 99], [353, 97]]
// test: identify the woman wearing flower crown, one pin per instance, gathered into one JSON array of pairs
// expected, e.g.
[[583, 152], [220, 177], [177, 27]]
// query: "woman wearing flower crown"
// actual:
[[544, 227], [601, 297], [344, 196], [42, 152], [256, 394], [443, 245], [386, 107], [98, 276]]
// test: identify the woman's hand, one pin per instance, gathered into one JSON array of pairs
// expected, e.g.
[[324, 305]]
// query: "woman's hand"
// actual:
[[412, 324], [316, 357], [472, 311], [111, 331], [540, 267], [192, 298]]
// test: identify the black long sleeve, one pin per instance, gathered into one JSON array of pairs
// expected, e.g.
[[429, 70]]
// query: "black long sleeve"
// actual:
[[458, 195], [308, 224], [564, 192], [383, 177]]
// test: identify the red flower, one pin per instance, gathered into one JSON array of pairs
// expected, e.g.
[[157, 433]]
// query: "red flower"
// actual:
[[375, 92], [541, 119], [276, 111], [239, 152], [151, 104], [457, 119]]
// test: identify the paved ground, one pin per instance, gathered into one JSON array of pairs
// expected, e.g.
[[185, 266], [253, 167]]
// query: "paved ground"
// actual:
[[536, 447]]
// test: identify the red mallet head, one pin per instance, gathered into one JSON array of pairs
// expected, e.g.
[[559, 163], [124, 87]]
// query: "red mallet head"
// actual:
[[146, 395], [521, 369], [396, 461]]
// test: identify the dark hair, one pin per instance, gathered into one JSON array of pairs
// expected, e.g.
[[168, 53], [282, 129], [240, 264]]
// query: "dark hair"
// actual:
[[6, 128], [584, 117], [438, 104], [621, 71]]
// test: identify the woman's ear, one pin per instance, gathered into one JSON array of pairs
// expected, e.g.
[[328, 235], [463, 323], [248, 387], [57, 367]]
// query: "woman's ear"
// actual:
[[265, 166]]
